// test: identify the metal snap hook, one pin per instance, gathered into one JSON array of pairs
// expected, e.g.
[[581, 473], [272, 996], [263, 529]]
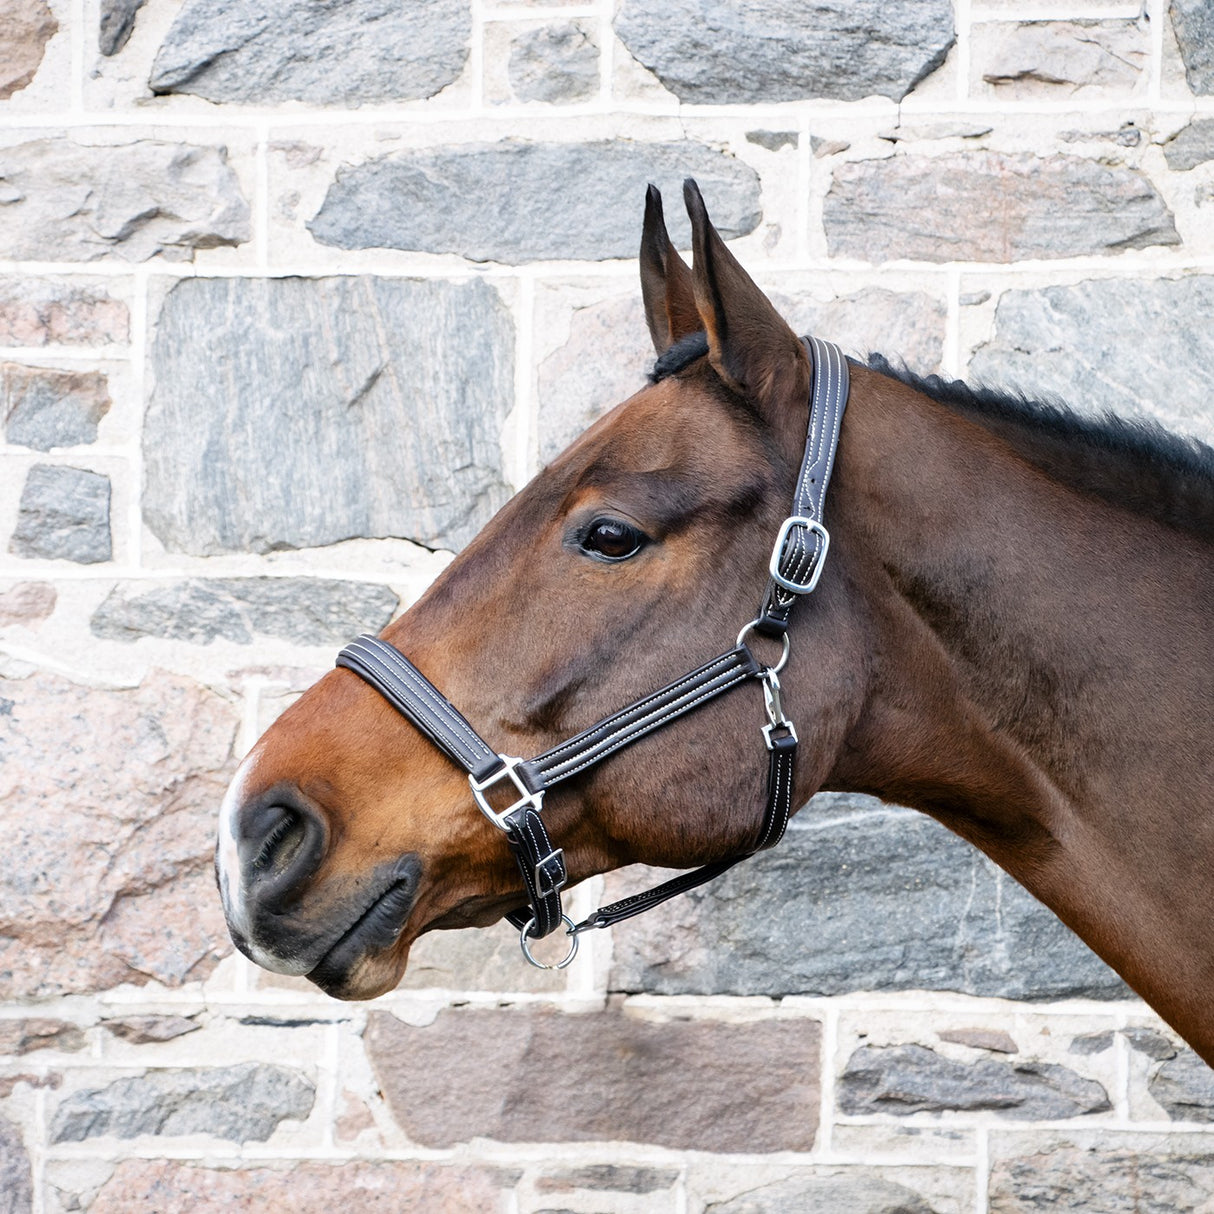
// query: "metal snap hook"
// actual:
[[570, 931]]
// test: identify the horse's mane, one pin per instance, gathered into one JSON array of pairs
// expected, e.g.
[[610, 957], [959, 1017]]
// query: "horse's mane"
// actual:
[[1134, 463]]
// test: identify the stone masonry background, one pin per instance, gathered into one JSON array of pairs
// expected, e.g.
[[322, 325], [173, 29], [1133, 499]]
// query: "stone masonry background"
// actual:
[[292, 297]]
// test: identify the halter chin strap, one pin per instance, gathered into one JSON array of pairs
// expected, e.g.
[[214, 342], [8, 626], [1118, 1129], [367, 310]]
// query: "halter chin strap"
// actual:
[[795, 566]]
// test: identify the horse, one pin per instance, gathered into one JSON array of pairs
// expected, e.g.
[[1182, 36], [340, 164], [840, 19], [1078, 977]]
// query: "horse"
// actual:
[[1013, 633]]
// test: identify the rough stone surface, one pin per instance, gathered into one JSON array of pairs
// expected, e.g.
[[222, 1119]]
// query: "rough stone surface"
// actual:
[[16, 1179], [937, 208], [1173, 1176], [349, 52], [1048, 58], [1193, 21], [1184, 1085], [706, 51], [511, 202], [1091, 1043], [905, 1079], [108, 854], [45, 408], [27, 27], [603, 361], [1192, 146], [554, 63], [696, 1085], [44, 312], [855, 1191], [39, 1033], [1151, 1043], [377, 402], [64, 515], [242, 1103], [27, 603], [117, 24], [995, 1040], [1136, 347], [858, 901], [70, 201], [608, 1177], [608, 351], [172, 1187], [149, 1030], [309, 611]]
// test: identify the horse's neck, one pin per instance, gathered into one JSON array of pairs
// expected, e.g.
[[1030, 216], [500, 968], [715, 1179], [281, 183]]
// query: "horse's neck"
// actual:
[[1049, 694]]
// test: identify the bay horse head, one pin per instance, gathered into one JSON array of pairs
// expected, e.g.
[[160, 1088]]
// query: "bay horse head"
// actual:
[[633, 557], [1014, 633]]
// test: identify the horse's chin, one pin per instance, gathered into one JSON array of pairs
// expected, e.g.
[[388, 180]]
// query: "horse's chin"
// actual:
[[364, 977]]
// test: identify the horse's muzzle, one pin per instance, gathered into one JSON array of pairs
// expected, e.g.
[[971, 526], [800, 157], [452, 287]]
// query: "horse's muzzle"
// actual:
[[271, 848]]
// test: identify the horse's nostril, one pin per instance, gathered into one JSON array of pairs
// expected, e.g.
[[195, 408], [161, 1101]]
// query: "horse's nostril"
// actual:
[[282, 842]]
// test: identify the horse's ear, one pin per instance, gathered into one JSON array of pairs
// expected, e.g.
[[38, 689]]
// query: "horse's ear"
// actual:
[[749, 344], [670, 302]]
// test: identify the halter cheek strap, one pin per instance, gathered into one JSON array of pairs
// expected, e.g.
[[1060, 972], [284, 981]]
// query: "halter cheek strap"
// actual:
[[794, 568]]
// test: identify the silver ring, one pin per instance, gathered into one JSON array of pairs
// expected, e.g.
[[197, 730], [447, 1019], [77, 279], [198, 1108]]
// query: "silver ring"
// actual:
[[783, 657], [540, 965]]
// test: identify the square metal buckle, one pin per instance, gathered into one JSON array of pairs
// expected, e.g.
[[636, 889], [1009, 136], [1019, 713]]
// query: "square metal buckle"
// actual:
[[773, 566], [543, 889], [508, 771]]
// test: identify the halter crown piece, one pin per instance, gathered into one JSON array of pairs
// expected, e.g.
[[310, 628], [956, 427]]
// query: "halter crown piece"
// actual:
[[796, 564]]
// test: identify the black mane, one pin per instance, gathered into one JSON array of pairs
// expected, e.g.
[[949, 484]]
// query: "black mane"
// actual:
[[682, 354], [1132, 463]]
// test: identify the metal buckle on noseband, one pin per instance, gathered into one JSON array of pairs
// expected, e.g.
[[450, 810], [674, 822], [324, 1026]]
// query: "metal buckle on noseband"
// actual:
[[570, 931], [773, 566], [507, 771]]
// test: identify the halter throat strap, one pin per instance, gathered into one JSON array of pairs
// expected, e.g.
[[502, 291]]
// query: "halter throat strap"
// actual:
[[794, 569]]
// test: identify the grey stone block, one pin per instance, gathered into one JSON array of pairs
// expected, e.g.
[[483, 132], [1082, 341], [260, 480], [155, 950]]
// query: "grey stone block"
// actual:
[[1193, 21], [16, 1178], [1141, 348], [242, 1103], [141, 199], [857, 1191], [516, 202], [326, 409], [1112, 1174], [117, 24], [309, 611], [779, 50], [44, 408], [554, 63], [859, 900], [905, 1079], [64, 514], [325, 52], [1184, 1085], [1191, 146], [938, 208]]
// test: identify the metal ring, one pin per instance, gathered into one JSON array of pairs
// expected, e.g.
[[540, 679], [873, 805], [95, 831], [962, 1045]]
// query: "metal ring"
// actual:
[[540, 965], [783, 636]]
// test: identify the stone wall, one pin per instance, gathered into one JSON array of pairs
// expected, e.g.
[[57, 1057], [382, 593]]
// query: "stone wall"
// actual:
[[292, 296]]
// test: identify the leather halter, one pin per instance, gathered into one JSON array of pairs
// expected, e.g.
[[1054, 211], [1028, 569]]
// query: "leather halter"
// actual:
[[796, 564]]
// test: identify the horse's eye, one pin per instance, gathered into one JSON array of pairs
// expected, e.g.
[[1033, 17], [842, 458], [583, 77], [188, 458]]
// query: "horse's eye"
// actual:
[[612, 539]]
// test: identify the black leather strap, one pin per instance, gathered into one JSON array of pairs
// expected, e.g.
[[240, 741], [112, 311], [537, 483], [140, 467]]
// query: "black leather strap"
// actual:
[[803, 547], [622, 728], [414, 696], [775, 819]]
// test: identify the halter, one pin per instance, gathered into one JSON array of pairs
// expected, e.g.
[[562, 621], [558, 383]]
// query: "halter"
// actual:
[[795, 566]]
